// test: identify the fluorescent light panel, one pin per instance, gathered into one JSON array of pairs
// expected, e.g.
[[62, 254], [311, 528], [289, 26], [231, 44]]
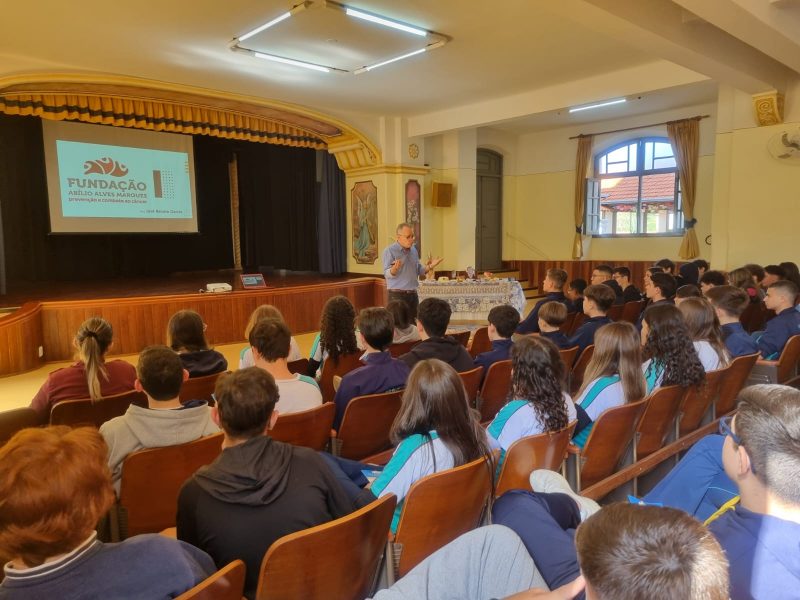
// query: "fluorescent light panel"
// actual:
[[274, 21], [391, 60], [598, 105], [352, 12], [289, 61]]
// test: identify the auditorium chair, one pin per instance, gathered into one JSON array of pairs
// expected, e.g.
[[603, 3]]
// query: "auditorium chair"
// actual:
[[754, 317], [730, 386], [365, 425], [527, 454], [200, 388], [566, 326], [698, 402], [480, 342], [783, 370], [309, 428], [472, 381], [225, 584], [578, 369], [462, 337], [339, 559], [606, 446], [341, 366], [580, 319], [83, 412], [494, 392], [16, 419], [397, 350], [299, 366], [568, 358], [437, 509], [615, 312], [151, 480], [658, 420], [631, 311]]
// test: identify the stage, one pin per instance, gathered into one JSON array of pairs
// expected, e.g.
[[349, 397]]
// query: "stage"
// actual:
[[41, 329]]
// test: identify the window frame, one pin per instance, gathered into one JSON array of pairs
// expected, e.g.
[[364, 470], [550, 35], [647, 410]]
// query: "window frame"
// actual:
[[639, 172]]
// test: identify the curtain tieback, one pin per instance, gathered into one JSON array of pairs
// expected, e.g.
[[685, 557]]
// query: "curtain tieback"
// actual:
[[578, 230], [690, 223]]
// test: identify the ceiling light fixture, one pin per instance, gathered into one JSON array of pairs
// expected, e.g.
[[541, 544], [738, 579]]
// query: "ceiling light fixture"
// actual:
[[294, 10], [598, 105], [289, 61], [391, 60], [352, 12]]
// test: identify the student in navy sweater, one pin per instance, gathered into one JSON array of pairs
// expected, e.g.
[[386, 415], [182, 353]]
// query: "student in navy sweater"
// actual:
[[554, 287], [781, 297], [660, 289], [729, 302], [598, 299], [630, 293], [503, 320], [551, 317], [574, 293], [605, 274]]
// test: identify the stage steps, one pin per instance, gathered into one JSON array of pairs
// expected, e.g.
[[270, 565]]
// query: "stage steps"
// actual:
[[530, 290]]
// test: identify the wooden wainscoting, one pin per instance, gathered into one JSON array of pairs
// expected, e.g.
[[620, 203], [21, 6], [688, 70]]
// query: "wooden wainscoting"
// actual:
[[535, 270]]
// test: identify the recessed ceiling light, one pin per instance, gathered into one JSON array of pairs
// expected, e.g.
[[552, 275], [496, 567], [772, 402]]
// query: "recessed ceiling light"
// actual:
[[598, 105]]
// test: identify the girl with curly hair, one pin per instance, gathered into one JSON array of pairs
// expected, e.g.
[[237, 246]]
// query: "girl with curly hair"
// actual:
[[537, 401], [704, 329], [337, 333], [670, 356], [613, 376]]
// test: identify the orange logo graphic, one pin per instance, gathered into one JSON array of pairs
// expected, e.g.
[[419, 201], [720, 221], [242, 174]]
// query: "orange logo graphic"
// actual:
[[105, 166]]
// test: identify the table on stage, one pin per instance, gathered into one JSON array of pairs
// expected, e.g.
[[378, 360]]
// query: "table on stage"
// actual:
[[472, 300]]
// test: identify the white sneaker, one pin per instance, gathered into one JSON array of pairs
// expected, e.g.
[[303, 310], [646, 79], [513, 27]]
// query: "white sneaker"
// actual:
[[551, 482]]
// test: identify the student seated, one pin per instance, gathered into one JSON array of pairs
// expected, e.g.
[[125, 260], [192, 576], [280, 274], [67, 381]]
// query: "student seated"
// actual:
[[704, 330], [702, 267], [630, 293], [781, 297], [165, 421], [670, 356], [551, 317], [503, 320], [55, 487], [265, 311], [744, 483], [666, 266], [687, 291], [553, 286], [660, 289], [91, 376], [792, 272], [711, 279], [433, 317], [757, 275], [186, 335], [729, 304], [604, 275], [574, 293], [599, 298], [772, 273], [258, 489], [337, 334], [380, 372], [743, 278], [538, 402], [613, 376], [269, 341], [405, 329], [687, 275]]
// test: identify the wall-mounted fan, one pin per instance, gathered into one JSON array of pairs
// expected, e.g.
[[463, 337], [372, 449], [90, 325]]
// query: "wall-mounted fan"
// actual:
[[785, 146]]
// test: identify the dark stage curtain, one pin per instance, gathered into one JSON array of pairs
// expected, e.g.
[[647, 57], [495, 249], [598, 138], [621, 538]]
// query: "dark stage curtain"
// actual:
[[332, 227]]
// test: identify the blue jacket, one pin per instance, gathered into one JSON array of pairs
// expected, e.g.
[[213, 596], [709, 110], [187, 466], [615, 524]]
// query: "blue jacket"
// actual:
[[531, 322], [558, 338], [737, 340], [584, 336], [381, 373], [500, 351], [777, 332]]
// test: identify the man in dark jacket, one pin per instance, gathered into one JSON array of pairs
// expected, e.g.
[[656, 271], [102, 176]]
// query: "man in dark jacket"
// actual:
[[604, 274], [433, 317], [258, 489]]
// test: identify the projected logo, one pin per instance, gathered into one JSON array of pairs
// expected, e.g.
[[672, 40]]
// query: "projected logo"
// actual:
[[105, 166]]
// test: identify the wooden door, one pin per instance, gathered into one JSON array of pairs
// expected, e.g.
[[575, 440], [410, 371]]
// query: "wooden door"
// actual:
[[489, 222]]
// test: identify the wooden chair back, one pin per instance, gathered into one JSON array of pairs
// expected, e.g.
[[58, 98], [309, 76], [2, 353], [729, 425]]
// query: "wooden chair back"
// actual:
[[472, 381], [16, 419], [340, 367], [299, 366], [658, 419], [397, 350], [787, 361], [94, 412], [733, 382], [494, 392], [339, 559], [309, 428], [152, 478], [698, 401], [480, 342], [579, 320], [543, 451], [462, 337], [439, 508], [609, 439], [579, 368], [225, 584], [631, 311], [754, 317], [199, 388], [615, 312], [366, 423], [566, 326], [568, 357]]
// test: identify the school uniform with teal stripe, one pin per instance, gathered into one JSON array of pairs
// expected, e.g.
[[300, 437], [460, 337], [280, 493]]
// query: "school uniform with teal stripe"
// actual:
[[413, 459], [599, 395], [653, 374]]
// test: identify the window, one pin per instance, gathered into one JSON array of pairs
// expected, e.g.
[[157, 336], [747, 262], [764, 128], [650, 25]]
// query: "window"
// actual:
[[635, 191]]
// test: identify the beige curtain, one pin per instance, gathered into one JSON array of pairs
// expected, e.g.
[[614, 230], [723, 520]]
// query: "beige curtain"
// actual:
[[685, 138], [582, 162]]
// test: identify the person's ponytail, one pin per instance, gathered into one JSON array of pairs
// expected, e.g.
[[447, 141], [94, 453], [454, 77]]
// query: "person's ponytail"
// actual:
[[93, 339]]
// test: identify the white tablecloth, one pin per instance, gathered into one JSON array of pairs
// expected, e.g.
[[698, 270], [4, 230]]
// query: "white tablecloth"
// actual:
[[472, 300]]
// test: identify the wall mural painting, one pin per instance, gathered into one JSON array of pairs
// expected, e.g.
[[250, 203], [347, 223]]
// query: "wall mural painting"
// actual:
[[364, 200], [414, 211]]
